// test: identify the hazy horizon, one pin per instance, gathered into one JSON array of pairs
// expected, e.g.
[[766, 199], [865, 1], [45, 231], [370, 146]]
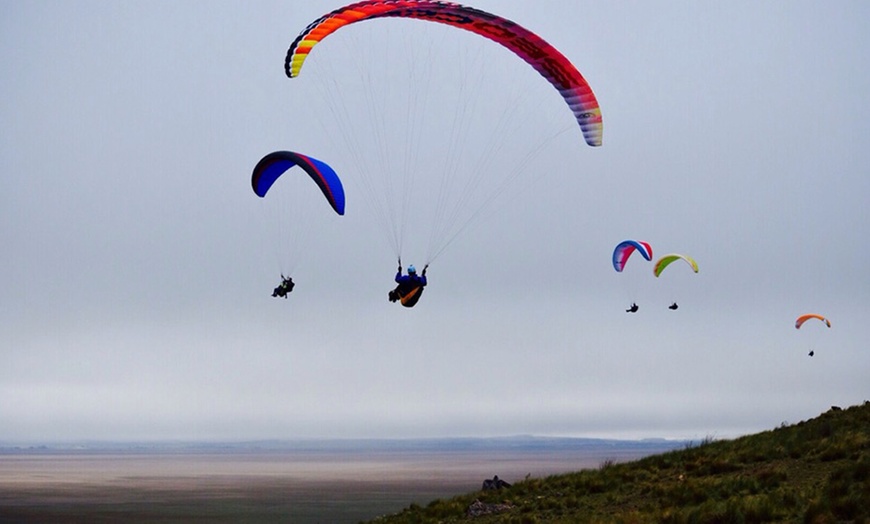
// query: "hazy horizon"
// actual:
[[137, 263]]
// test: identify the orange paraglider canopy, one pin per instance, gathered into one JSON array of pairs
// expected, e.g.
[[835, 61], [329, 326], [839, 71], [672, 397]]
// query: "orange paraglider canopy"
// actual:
[[803, 318]]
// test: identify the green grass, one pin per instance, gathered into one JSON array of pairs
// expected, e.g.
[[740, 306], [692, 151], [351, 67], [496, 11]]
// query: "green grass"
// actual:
[[813, 472]]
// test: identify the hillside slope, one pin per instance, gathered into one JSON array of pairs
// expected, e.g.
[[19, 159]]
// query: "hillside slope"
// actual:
[[816, 471]]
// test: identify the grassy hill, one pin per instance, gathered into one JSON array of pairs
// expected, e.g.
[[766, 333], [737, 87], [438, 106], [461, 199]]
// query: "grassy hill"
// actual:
[[816, 471]]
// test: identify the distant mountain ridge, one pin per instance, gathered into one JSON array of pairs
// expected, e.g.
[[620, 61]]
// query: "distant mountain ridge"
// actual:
[[456, 444]]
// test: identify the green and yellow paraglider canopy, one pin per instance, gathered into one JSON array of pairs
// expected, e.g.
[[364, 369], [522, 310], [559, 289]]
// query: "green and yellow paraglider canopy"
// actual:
[[667, 260]]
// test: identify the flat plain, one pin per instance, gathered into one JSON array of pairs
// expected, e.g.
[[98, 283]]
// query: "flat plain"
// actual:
[[337, 483]]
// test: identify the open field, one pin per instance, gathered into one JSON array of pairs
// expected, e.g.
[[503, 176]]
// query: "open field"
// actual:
[[340, 484]]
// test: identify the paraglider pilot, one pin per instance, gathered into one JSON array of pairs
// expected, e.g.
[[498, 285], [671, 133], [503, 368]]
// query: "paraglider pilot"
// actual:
[[284, 287], [632, 309], [410, 286]]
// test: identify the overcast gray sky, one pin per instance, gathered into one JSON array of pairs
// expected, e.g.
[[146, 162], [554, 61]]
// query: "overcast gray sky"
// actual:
[[137, 263]]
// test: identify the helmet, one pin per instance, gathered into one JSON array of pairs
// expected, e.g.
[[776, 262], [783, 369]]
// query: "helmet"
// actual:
[[411, 269]]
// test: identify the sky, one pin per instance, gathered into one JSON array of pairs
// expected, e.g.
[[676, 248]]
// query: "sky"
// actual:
[[137, 264]]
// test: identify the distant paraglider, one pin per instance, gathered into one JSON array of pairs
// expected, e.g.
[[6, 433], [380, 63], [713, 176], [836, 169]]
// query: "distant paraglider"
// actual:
[[274, 165], [810, 316], [666, 261], [623, 251]]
